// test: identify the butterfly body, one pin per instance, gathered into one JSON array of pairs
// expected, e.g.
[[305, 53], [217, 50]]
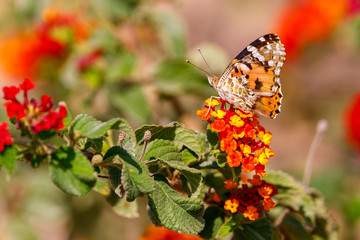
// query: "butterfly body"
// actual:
[[251, 81]]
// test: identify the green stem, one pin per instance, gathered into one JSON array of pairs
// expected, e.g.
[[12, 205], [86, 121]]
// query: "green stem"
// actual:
[[234, 174]]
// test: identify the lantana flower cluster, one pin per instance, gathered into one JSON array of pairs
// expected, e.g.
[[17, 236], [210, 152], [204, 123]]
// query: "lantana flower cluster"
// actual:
[[5, 138], [246, 144], [241, 136], [32, 114], [250, 200]]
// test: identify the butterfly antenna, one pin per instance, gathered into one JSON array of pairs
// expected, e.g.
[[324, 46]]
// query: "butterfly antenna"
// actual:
[[205, 61], [198, 67]]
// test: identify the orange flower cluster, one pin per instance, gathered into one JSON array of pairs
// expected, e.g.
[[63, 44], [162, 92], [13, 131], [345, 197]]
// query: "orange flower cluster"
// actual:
[[246, 144], [241, 136], [250, 200], [308, 21], [161, 233], [23, 53]]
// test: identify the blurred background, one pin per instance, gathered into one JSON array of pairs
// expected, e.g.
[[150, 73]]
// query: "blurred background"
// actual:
[[126, 58]]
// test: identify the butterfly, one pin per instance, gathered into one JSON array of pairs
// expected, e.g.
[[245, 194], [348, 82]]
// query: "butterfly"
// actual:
[[251, 81]]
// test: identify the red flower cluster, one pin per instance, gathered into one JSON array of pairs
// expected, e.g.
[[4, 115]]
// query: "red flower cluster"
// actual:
[[250, 200], [352, 122], [5, 138], [241, 136], [304, 22], [161, 233], [33, 115]]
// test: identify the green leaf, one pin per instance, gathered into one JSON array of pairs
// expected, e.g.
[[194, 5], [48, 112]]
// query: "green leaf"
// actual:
[[45, 134], [174, 211], [102, 186], [230, 225], [177, 78], [212, 136], [171, 32], [131, 101], [123, 207], [8, 158], [115, 180], [92, 128], [214, 219], [189, 157], [203, 141], [116, 10], [135, 177], [163, 151], [293, 226], [221, 159], [121, 65], [258, 230], [71, 171], [176, 132], [281, 179], [94, 145]]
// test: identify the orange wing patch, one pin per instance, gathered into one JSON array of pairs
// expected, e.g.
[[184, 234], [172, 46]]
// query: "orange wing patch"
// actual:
[[269, 106], [262, 79]]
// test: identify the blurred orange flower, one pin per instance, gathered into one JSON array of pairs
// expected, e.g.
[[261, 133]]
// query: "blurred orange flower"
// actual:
[[352, 122], [160, 233], [23, 53], [308, 21]]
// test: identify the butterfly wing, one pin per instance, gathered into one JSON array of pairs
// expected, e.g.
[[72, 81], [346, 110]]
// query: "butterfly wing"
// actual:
[[260, 64], [269, 106]]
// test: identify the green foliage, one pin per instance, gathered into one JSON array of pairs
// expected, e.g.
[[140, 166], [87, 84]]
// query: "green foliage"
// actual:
[[178, 170], [71, 171], [91, 128], [135, 177], [174, 211], [8, 158]]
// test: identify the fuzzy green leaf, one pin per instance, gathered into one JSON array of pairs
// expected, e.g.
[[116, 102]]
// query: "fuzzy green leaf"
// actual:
[[281, 179], [212, 136], [258, 230], [102, 186], [189, 157], [176, 132], [71, 171], [8, 158], [294, 227], [174, 211], [230, 225], [214, 219], [115, 180], [135, 176], [92, 128], [163, 151]]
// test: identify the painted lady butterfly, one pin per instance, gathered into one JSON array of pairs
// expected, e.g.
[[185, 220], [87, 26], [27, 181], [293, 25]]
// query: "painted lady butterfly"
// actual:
[[251, 81]]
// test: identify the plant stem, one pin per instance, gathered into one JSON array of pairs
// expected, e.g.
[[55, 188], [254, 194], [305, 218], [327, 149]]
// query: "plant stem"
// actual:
[[234, 174], [320, 130]]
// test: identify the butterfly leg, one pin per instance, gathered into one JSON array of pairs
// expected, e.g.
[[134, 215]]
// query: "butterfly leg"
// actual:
[[209, 106]]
